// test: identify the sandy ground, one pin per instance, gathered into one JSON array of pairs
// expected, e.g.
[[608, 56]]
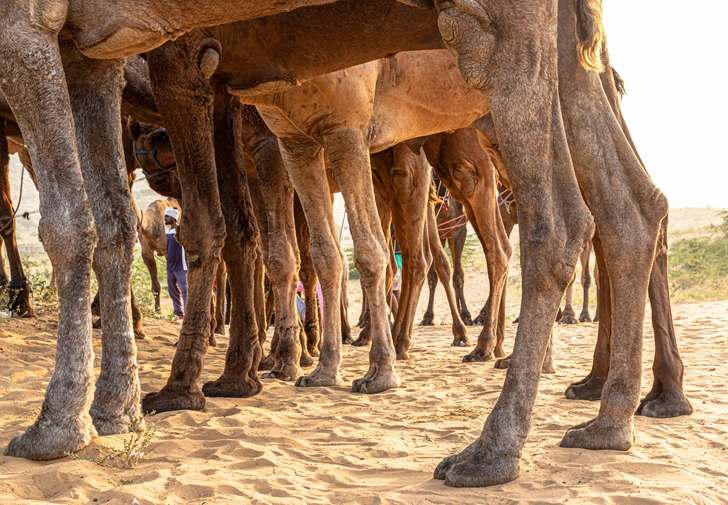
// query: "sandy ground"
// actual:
[[290, 445]]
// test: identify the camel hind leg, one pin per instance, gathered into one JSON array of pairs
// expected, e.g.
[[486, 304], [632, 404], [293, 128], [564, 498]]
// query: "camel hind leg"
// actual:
[[457, 245], [442, 267], [585, 260]]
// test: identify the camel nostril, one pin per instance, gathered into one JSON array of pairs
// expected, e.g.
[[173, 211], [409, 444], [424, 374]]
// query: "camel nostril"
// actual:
[[208, 62]]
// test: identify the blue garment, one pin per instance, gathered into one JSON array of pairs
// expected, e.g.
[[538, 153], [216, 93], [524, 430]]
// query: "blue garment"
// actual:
[[177, 287], [176, 260]]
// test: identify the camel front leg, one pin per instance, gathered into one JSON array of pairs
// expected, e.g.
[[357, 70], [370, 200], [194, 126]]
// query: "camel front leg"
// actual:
[[220, 280], [305, 164], [349, 156], [18, 288], [457, 245], [568, 316], [429, 316], [35, 86], [522, 90], [202, 229]]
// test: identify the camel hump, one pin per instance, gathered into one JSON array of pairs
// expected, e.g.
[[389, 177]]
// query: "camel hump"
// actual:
[[590, 31]]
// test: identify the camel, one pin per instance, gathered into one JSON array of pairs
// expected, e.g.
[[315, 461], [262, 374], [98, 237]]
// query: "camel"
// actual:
[[568, 316], [152, 240], [526, 107], [451, 225]]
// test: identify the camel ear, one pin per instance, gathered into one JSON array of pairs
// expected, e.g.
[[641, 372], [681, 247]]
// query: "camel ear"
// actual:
[[134, 127], [415, 145]]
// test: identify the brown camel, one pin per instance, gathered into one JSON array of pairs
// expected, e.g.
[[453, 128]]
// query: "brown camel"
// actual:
[[452, 229], [568, 316], [527, 110], [152, 239]]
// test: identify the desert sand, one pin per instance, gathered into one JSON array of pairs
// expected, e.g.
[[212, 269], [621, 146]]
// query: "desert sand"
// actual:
[[290, 445]]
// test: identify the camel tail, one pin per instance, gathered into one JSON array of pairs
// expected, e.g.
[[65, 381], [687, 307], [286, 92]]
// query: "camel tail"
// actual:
[[590, 32], [619, 83]]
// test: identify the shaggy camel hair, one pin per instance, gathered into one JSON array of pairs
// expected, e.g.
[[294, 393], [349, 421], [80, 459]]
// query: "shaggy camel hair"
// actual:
[[522, 87], [452, 229]]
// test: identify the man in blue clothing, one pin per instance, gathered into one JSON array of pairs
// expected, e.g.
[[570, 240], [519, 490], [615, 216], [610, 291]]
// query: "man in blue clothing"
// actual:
[[176, 264]]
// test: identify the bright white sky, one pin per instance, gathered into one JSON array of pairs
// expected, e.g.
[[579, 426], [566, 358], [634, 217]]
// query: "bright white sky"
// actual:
[[672, 56]]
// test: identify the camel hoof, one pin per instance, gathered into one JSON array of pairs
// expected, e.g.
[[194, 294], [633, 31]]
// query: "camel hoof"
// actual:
[[460, 342], [348, 341], [475, 467], [477, 357], [96, 325], [568, 320], [225, 387], [267, 363], [548, 368], [59, 437], [314, 353], [402, 355], [590, 390], [361, 342], [319, 381], [306, 359], [220, 330], [285, 373], [666, 405], [427, 320], [467, 319], [212, 340], [479, 320], [585, 318], [516, 320], [139, 335], [597, 435], [167, 400], [596, 319], [379, 378], [502, 363]]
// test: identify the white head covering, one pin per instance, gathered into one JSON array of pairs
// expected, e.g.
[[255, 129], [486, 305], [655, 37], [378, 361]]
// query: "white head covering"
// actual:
[[172, 212]]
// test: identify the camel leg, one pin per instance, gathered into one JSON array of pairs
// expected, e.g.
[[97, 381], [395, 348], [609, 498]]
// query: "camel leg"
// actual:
[[628, 210], [220, 280], [151, 264], [307, 274], [410, 219], [115, 406], [442, 268], [585, 260], [344, 308], [136, 318], [276, 195], [568, 316], [241, 254], [554, 222], [305, 164], [666, 398], [384, 212], [202, 230], [35, 78], [457, 245], [590, 388], [349, 155], [18, 288], [364, 315], [429, 316]]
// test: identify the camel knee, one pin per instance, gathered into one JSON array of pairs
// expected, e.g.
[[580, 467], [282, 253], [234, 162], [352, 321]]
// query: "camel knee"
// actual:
[[63, 240], [327, 261], [283, 263], [371, 265]]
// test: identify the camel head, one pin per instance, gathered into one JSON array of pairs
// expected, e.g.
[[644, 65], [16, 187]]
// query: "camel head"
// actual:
[[153, 152]]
